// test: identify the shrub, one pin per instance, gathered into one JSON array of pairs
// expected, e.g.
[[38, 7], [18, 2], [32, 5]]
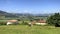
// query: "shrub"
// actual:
[[3, 22]]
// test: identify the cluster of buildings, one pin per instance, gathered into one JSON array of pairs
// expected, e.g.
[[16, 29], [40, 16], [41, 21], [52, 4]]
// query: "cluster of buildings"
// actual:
[[37, 22]]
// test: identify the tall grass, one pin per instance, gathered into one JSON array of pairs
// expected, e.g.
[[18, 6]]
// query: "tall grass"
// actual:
[[25, 29]]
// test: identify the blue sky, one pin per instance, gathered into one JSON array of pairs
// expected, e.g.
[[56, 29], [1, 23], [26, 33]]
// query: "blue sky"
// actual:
[[30, 6]]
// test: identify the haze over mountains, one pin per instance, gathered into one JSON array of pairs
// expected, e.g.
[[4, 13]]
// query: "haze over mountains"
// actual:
[[20, 14]]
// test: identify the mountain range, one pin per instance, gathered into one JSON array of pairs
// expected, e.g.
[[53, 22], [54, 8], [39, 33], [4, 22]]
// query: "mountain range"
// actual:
[[6, 14]]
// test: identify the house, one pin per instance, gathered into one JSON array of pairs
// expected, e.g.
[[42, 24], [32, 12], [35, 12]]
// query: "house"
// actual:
[[41, 22], [38, 22], [9, 22]]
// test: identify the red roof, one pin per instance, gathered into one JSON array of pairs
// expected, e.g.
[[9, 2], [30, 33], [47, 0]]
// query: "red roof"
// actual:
[[42, 21], [12, 20]]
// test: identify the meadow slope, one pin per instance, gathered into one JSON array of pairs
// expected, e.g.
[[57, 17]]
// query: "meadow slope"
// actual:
[[25, 29]]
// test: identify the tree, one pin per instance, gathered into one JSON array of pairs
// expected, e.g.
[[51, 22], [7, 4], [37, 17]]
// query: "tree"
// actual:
[[54, 19]]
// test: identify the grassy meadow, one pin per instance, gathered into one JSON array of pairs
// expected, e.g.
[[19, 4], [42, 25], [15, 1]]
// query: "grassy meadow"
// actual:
[[25, 29]]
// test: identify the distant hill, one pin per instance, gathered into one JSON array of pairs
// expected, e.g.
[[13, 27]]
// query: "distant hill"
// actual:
[[43, 15], [6, 14], [27, 14]]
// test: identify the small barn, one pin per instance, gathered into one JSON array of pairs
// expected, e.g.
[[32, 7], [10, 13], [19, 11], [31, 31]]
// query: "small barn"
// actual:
[[10, 22]]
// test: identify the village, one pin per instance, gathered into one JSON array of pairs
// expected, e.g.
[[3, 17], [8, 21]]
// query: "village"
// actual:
[[29, 16]]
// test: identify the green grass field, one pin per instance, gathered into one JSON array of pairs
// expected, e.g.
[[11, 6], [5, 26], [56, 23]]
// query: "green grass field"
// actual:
[[25, 29]]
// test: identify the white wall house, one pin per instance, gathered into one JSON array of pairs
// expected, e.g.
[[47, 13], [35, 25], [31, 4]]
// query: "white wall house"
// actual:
[[39, 22], [9, 22]]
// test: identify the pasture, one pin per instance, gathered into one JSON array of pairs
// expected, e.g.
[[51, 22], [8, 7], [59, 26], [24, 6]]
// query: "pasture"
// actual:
[[25, 29]]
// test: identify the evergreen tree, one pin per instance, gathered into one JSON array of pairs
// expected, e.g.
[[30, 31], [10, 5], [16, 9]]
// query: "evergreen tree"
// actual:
[[54, 19]]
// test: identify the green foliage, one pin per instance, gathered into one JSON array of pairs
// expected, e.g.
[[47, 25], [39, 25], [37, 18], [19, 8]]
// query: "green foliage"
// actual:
[[54, 19], [3, 22], [24, 22]]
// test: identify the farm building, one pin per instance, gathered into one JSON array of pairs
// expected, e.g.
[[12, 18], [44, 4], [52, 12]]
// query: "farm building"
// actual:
[[39, 22], [9, 22]]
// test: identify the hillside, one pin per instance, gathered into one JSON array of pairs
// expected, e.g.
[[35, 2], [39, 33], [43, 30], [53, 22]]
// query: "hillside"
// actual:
[[23, 16], [6, 14]]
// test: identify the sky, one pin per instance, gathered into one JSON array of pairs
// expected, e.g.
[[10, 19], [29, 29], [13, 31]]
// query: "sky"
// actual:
[[30, 6]]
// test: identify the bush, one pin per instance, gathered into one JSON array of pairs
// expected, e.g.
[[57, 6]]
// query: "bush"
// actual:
[[24, 23], [3, 22]]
